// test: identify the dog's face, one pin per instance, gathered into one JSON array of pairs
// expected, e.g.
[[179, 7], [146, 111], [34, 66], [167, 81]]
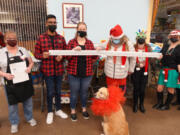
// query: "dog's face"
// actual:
[[102, 94]]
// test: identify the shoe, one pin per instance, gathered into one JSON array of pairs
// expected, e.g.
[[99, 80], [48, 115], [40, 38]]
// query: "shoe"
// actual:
[[135, 108], [14, 129], [85, 115], [61, 114], [74, 117], [135, 102], [141, 104], [141, 108], [49, 119], [32, 122], [166, 106], [157, 106], [159, 101]]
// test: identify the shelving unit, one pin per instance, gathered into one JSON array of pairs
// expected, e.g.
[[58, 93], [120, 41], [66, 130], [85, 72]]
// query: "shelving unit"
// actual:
[[168, 19]]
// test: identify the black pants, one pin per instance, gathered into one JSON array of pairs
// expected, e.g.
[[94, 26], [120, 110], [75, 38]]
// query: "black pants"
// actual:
[[178, 95], [139, 82]]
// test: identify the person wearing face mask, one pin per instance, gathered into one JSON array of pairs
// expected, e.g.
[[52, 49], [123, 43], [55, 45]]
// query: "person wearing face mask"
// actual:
[[16, 92], [140, 75], [169, 74], [80, 70], [117, 68], [52, 67]]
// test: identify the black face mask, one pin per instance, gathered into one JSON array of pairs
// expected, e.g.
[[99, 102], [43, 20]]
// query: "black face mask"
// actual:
[[12, 43], [141, 41], [52, 28], [82, 33], [173, 40]]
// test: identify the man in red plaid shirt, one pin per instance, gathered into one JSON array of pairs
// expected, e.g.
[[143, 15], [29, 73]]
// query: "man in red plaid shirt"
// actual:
[[52, 66]]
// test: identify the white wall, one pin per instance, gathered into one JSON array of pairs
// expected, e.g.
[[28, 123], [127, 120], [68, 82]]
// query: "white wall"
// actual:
[[102, 15]]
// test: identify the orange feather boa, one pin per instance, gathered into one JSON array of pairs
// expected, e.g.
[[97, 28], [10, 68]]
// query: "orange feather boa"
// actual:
[[110, 105]]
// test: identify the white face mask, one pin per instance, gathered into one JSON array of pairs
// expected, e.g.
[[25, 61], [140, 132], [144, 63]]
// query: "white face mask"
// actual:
[[116, 41]]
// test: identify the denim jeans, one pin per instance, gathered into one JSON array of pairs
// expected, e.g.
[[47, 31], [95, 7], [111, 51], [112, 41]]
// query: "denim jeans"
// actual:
[[13, 111], [78, 85], [53, 84]]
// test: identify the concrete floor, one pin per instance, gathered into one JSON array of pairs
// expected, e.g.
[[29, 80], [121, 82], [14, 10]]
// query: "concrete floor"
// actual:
[[152, 123]]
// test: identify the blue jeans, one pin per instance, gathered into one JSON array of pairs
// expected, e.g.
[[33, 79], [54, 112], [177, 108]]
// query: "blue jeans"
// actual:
[[13, 111], [53, 85], [78, 85]]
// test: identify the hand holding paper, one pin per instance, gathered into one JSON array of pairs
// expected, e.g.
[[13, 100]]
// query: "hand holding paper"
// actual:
[[19, 72], [77, 48], [8, 76], [28, 70]]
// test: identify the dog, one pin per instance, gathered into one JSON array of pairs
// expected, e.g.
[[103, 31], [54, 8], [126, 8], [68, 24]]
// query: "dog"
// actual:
[[108, 104]]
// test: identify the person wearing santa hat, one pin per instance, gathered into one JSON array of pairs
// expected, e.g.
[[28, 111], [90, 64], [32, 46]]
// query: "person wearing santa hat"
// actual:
[[140, 75], [117, 68], [170, 73]]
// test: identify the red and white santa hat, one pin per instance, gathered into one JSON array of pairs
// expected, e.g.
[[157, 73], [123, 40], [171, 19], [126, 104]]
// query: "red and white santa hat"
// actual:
[[175, 33], [116, 32]]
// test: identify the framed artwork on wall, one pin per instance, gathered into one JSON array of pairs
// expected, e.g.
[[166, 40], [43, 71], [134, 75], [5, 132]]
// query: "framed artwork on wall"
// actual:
[[72, 14]]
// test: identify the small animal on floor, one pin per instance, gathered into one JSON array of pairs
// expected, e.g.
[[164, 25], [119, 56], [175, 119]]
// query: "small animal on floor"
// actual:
[[107, 103]]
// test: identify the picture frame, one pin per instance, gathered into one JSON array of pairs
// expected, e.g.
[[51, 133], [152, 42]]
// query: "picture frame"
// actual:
[[73, 13]]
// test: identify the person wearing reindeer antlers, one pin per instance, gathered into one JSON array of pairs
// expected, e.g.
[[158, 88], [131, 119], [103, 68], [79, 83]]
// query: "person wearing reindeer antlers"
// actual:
[[170, 73], [140, 75]]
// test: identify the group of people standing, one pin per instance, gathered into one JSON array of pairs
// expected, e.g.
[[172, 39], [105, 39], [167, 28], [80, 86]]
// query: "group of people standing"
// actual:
[[80, 70]]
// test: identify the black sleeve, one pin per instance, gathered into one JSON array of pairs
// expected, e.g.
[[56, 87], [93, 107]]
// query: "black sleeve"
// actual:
[[165, 48], [177, 54]]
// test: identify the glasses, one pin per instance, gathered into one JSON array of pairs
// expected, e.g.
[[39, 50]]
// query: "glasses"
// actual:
[[52, 22]]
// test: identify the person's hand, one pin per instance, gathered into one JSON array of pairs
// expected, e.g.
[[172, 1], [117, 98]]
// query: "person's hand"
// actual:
[[129, 73], [77, 48], [8, 76], [28, 70], [45, 55], [160, 57], [98, 48], [142, 65], [59, 58]]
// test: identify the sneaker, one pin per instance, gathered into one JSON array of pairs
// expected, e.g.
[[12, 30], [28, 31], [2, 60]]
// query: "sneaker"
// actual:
[[32, 122], [74, 117], [14, 129], [49, 119], [61, 114], [85, 115]]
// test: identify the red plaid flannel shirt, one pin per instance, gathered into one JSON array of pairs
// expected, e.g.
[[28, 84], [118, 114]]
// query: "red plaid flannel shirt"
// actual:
[[50, 66], [72, 60]]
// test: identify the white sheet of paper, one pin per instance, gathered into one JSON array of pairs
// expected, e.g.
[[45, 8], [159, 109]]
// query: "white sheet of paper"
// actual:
[[19, 72]]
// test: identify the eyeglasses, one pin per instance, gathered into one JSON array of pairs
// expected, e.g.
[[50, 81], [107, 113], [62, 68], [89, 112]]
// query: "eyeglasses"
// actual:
[[52, 22]]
